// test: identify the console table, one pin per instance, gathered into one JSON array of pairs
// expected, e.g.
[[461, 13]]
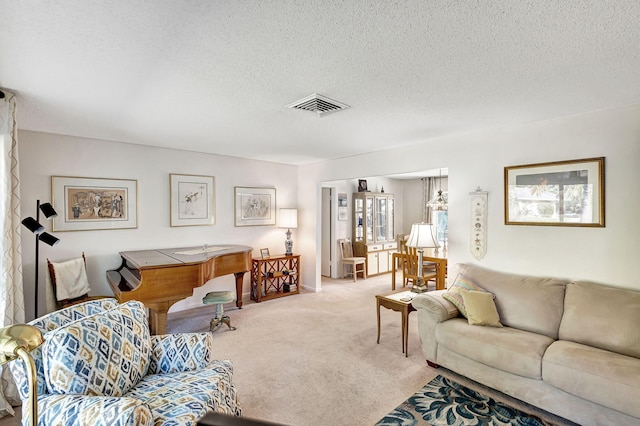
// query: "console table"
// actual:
[[275, 276]]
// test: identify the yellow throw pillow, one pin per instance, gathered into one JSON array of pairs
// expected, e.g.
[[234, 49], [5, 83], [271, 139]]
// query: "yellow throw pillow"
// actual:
[[481, 309], [454, 295]]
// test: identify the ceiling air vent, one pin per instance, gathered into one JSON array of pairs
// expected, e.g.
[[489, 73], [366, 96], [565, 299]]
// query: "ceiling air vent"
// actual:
[[319, 104]]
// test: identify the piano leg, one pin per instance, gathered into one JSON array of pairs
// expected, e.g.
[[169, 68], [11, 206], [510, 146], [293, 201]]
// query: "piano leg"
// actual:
[[239, 278], [158, 316]]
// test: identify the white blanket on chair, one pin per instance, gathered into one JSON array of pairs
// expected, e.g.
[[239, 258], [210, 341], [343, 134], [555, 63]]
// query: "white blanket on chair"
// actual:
[[71, 279]]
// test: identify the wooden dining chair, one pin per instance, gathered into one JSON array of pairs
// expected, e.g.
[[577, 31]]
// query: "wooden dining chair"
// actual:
[[410, 267], [348, 259]]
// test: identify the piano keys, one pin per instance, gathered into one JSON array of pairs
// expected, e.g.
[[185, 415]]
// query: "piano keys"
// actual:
[[159, 278]]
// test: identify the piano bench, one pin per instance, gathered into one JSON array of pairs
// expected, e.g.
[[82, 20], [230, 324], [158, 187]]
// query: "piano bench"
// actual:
[[219, 298]]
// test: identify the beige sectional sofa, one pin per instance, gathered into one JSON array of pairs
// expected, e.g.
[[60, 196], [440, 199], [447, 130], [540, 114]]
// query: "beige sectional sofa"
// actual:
[[571, 348]]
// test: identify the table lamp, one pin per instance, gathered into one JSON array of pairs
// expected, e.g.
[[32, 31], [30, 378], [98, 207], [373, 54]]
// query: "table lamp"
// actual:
[[16, 341], [421, 237], [288, 218]]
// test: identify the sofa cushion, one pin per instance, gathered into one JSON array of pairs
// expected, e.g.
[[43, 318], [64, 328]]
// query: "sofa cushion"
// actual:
[[481, 309], [454, 293], [508, 349], [604, 377], [183, 398], [525, 302], [602, 317], [104, 354]]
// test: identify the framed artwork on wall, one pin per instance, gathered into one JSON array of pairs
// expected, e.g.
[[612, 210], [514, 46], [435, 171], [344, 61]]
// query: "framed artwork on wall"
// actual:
[[94, 203], [255, 206], [560, 193], [192, 200], [342, 206]]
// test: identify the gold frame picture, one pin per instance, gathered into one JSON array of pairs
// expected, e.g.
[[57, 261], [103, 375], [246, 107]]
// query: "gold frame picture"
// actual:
[[87, 204], [559, 193], [255, 206], [192, 200]]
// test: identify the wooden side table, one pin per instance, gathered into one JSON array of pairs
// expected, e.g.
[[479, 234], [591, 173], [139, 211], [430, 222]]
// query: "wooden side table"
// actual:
[[399, 302], [275, 276]]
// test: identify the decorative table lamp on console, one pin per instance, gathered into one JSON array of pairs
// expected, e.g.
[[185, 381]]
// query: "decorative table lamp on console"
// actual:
[[16, 341], [288, 218], [421, 237]]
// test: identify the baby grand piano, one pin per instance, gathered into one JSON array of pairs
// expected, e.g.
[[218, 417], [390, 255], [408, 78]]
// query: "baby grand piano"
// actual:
[[160, 278]]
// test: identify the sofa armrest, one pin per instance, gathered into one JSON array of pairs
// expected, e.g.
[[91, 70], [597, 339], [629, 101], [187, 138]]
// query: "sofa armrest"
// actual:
[[436, 306], [432, 309], [56, 409], [172, 353]]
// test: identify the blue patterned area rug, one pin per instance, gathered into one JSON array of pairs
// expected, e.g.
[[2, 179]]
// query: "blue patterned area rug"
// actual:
[[445, 402]]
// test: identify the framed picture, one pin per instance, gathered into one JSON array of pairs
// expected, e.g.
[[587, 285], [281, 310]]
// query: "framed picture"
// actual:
[[342, 206], [255, 206], [85, 204], [192, 200], [561, 193], [362, 185], [264, 253]]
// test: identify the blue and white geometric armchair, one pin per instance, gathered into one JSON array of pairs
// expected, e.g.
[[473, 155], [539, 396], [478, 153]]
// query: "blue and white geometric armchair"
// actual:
[[99, 365]]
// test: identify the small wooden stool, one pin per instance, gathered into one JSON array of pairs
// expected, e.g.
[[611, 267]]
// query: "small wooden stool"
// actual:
[[219, 298]]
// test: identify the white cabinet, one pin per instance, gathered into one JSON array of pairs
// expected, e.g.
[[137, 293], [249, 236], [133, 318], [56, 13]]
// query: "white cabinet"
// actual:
[[379, 257], [373, 230]]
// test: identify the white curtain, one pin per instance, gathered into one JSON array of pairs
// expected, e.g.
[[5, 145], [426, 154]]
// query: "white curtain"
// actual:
[[11, 289], [428, 192]]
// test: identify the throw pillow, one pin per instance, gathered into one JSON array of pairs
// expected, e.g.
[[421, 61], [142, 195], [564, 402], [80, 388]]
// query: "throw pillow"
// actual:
[[105, 354], [453, 293], [481, 309]]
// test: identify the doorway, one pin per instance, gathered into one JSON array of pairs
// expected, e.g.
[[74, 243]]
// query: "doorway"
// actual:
[[326, 258]]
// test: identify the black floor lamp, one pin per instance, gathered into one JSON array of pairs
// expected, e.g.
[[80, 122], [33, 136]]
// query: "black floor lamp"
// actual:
[[34, 226]]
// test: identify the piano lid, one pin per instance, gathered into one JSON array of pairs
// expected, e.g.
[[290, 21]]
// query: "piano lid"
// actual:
[[180, 255]]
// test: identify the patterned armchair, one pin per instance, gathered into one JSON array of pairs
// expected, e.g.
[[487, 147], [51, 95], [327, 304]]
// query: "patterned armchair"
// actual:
[[99, 365]]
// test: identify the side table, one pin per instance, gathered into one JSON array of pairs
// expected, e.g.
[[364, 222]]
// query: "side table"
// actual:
[[399, 302], [275, 276]]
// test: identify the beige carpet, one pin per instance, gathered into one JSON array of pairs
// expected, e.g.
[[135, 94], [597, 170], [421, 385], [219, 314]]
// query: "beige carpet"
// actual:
[[312, 358]]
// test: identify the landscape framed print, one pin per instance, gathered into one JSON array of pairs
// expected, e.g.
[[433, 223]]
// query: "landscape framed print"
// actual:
[[559, 193], [255, 206], [94, 203], [192, 200]]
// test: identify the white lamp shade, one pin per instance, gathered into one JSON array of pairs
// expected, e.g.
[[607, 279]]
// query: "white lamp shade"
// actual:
[[288, 218], [422, 236]]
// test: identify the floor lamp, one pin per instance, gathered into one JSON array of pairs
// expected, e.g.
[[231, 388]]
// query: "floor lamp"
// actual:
[[34, 226], [17, 341], [421, 237]]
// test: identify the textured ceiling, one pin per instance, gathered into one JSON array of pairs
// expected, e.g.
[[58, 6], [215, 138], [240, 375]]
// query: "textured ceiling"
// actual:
[[215, 76]]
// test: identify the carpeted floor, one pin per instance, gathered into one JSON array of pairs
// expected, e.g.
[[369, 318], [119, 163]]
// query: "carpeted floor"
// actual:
[[312, 358]]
